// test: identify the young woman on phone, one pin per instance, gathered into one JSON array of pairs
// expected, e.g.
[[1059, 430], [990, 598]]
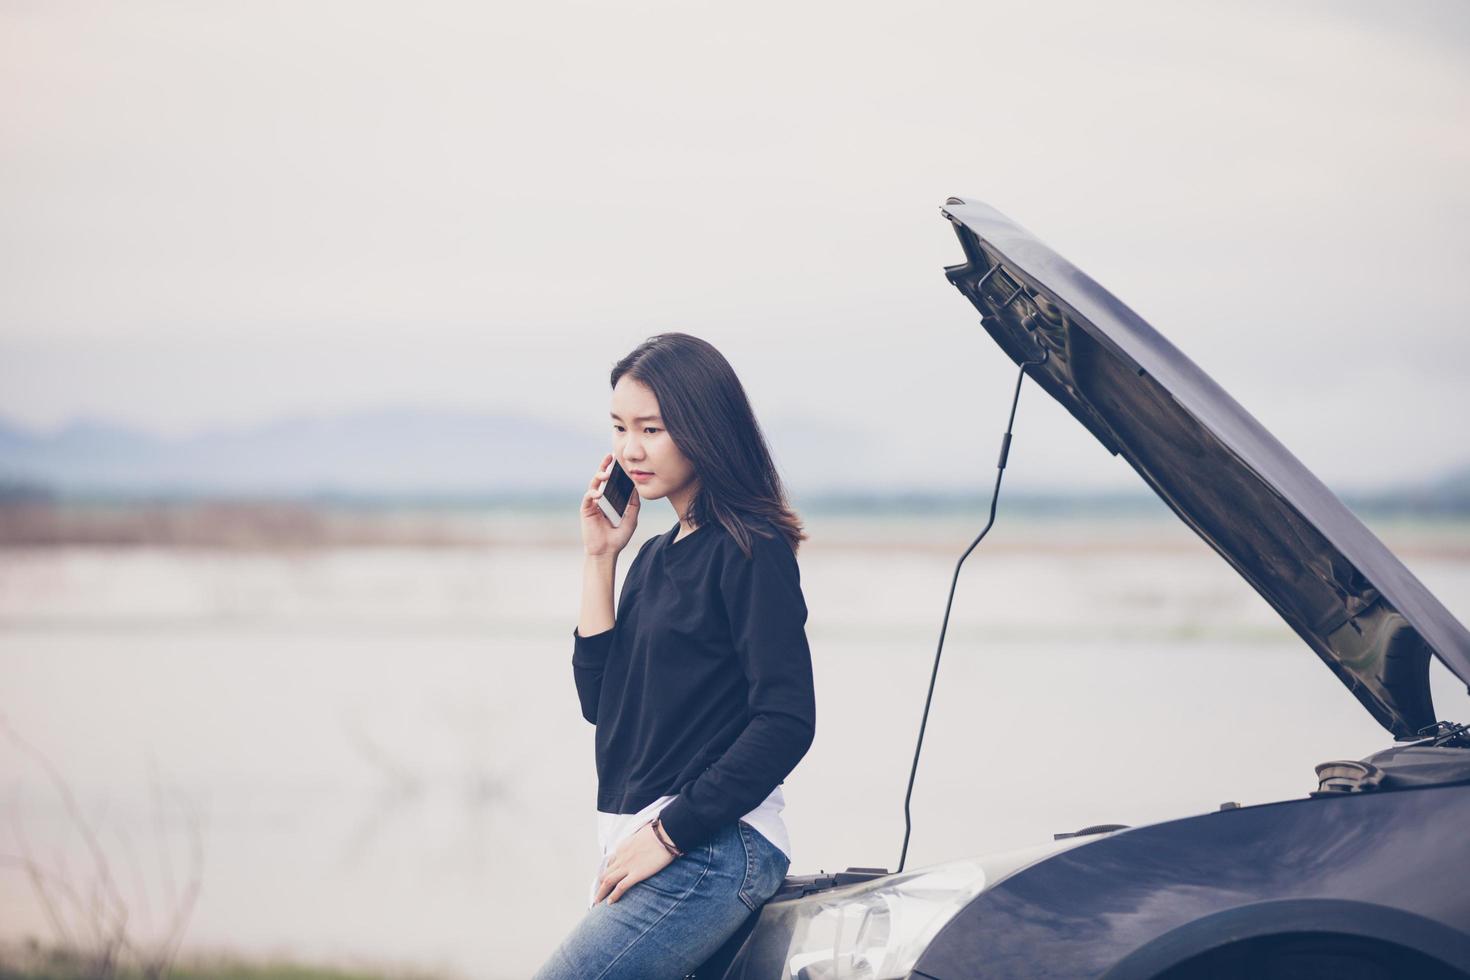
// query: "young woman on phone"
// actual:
[[700, 686]]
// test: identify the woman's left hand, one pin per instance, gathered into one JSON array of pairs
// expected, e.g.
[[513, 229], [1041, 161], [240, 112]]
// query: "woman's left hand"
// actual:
[[640, 856]]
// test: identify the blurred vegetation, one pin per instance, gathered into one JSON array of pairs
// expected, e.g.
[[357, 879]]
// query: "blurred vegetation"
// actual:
[[94, 922], [33, 961], [32, 515]]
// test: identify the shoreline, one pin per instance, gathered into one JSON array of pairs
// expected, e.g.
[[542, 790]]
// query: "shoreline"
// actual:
[[289, 527]]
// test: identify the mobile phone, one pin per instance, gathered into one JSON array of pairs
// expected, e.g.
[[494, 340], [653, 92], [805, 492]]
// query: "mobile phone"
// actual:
[[616, 490]]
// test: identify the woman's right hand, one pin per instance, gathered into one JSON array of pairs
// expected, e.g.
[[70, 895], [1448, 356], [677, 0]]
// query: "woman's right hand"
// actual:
[[599, 537]]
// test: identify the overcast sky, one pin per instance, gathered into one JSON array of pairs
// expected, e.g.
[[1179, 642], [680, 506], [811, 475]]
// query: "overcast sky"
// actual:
[[223, 213]]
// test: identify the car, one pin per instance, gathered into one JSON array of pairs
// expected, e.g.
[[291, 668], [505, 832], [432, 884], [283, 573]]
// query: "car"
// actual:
[[1366, 877]]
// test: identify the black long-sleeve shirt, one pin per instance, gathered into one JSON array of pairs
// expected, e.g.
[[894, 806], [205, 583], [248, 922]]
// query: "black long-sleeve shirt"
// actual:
[[703, 686]]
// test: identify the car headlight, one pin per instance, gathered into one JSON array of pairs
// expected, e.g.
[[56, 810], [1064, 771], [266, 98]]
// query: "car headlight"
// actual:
[[876, 931], [873, 930]]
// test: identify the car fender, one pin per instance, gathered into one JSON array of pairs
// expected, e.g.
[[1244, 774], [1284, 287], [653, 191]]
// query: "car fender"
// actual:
[[1088, 910], [1360, 920]]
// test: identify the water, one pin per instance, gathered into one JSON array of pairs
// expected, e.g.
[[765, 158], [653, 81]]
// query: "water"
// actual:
[[384, 756]]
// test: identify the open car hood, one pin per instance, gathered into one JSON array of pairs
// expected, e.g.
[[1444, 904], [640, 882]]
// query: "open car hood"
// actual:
[[1369, 619]]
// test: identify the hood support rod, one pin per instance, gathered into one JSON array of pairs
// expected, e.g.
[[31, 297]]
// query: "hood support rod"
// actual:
[[1005, 449]]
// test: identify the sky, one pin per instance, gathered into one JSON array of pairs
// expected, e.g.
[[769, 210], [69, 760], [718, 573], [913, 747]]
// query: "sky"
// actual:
[[220, 214]]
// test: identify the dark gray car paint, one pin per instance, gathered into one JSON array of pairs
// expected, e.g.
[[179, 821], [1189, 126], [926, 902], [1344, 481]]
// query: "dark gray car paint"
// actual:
[[1354, 603], [1388, 866]]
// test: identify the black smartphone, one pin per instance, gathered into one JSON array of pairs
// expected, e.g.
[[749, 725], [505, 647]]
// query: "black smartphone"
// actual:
[[616, 490]]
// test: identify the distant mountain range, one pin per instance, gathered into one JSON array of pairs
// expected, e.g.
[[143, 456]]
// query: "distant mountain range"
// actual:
[[394, 454], [384, 452], [389, 451]]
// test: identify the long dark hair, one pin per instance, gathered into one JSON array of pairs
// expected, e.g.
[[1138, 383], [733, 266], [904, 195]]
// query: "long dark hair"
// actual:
[[707, 414]]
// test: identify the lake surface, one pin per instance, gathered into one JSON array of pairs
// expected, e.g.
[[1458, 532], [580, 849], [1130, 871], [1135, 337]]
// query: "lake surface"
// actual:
[[382, 752]]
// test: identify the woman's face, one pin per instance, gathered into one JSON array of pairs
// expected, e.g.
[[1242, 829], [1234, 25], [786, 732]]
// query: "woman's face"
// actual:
[[642, 444]]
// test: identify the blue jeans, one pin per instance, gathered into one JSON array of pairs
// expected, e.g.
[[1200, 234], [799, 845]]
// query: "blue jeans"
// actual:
[[666, 925]]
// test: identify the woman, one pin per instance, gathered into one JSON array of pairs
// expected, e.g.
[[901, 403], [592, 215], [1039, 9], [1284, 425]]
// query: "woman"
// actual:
[[701, 690]]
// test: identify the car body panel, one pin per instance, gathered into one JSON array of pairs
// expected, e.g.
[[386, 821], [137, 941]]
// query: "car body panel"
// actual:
[[1351, 599], [1388, 866]]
